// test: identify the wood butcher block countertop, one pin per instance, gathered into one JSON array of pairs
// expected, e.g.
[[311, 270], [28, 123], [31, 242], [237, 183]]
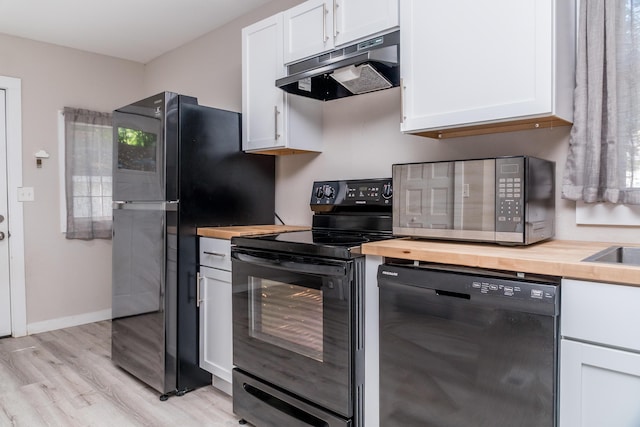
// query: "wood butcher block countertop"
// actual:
[[555, 258], [247, 230]]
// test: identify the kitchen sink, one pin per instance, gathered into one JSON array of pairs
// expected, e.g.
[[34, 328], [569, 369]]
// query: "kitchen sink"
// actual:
[[617, 255]]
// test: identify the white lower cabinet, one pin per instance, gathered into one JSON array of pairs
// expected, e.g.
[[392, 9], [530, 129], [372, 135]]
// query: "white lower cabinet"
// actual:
[[214, 300], [599, 386], [599, 355]]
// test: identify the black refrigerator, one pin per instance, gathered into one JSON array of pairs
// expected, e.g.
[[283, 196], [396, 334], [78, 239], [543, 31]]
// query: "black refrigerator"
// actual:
[[177, 166]]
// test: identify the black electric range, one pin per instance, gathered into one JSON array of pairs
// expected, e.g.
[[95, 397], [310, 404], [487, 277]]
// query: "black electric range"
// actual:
[[346, 214], [299, 296]]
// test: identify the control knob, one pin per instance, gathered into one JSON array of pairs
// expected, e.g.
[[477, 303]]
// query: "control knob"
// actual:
[[387, 191], [329, 192]]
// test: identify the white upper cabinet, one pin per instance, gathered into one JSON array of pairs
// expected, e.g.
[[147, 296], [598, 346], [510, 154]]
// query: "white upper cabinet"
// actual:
[[361, 19], [273, 122], [317, 26], [471, 67], [308, 29]]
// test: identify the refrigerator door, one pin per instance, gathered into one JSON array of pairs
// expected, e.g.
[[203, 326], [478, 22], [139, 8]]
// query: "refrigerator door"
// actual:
[[144, 277], [138, 169], [145, 143]]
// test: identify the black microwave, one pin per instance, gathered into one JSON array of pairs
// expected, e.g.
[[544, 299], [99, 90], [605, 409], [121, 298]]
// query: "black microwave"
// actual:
[[507, 200]]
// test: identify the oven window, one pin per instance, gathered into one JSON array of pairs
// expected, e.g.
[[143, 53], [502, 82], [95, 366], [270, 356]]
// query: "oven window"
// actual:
[[286, 315]]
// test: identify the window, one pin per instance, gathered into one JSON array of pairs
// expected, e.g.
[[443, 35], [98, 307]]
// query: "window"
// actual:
[[87, 137], [603, 164]]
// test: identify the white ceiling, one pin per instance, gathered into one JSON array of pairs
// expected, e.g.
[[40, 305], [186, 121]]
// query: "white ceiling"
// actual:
[[138, 30]]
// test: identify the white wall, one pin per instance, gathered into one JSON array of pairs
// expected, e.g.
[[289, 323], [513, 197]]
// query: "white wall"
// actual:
[[65, 280]]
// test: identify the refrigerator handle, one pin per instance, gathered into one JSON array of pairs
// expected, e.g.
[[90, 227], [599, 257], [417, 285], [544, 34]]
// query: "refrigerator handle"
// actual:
[[198, 282]]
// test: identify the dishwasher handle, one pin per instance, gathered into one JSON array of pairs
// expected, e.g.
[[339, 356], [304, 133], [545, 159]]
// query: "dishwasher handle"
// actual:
[[452, 294], [424, 291]]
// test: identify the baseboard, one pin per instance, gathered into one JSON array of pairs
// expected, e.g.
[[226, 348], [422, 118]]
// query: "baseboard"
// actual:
[[67, 322], [222, 385]]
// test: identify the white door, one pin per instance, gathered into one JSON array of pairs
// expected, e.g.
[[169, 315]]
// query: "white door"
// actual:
[[262, 101], [599, 386], [308, 30], [216, 325], [469, 61], [5, 295], [357, 19]]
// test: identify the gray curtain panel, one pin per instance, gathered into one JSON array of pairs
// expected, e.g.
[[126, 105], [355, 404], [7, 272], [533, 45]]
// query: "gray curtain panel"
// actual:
[[603, 162], [88, 173]]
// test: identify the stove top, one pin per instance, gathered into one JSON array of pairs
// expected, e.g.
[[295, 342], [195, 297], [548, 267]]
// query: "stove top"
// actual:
[[346, 215]]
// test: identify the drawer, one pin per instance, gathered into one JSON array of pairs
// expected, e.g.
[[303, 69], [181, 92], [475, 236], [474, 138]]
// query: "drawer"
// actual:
[[215, 253], [600, 313]]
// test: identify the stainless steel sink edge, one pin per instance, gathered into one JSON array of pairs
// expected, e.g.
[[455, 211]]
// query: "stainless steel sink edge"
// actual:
[[628, 255]]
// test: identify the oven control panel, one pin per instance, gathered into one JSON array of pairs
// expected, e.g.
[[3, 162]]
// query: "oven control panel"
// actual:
[[363, 192]]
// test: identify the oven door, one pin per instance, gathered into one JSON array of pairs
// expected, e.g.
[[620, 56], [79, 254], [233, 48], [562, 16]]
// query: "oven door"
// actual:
[[292, 323]]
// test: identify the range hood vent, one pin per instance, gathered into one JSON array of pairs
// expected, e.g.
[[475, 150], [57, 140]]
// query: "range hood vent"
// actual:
[[360, 68]]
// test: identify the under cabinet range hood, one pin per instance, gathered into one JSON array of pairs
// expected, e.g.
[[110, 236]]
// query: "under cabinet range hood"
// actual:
[[359, 68]]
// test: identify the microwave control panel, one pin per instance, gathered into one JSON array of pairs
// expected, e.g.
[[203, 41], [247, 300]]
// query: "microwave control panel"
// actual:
[[376, 192], [510, 180]]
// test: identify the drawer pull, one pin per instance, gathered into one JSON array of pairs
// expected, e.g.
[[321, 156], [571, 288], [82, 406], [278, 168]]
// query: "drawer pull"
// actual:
[[218, 254], [198, 284]]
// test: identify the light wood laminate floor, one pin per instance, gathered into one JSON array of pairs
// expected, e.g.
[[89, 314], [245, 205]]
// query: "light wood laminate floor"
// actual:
[[66, 378]]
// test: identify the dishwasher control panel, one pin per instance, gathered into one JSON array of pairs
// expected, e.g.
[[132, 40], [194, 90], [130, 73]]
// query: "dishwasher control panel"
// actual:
[[502, 290], [489, 286]]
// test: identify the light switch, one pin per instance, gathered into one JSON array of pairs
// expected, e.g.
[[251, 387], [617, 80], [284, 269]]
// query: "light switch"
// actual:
[[25, 194]]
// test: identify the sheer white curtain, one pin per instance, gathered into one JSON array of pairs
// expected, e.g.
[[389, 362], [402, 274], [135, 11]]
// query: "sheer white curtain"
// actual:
[[88, 173], [603, 163]]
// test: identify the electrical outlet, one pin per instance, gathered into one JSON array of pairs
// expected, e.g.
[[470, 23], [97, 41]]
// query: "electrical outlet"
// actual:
[[26, 194]]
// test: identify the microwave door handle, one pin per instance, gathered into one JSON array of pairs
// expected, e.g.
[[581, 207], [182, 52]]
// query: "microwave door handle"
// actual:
[[292, 265]]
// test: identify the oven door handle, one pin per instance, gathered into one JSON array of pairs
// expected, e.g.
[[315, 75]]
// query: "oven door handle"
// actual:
[[323, 269]]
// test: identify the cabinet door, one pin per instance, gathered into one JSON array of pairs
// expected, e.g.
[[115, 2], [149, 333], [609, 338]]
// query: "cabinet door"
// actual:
[[358, 19], [262, 101], [216, 343], [308, 29], [599, 386], [467, 61], [273, 121]]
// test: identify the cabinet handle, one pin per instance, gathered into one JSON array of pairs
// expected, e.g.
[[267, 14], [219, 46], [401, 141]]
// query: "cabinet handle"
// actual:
[[324, 23], [198, 282], [218, 254], [275, 117], [335, 19], [402, 117]]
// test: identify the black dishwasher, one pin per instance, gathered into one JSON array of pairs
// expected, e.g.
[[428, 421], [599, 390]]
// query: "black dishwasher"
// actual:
[[467, 347]]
